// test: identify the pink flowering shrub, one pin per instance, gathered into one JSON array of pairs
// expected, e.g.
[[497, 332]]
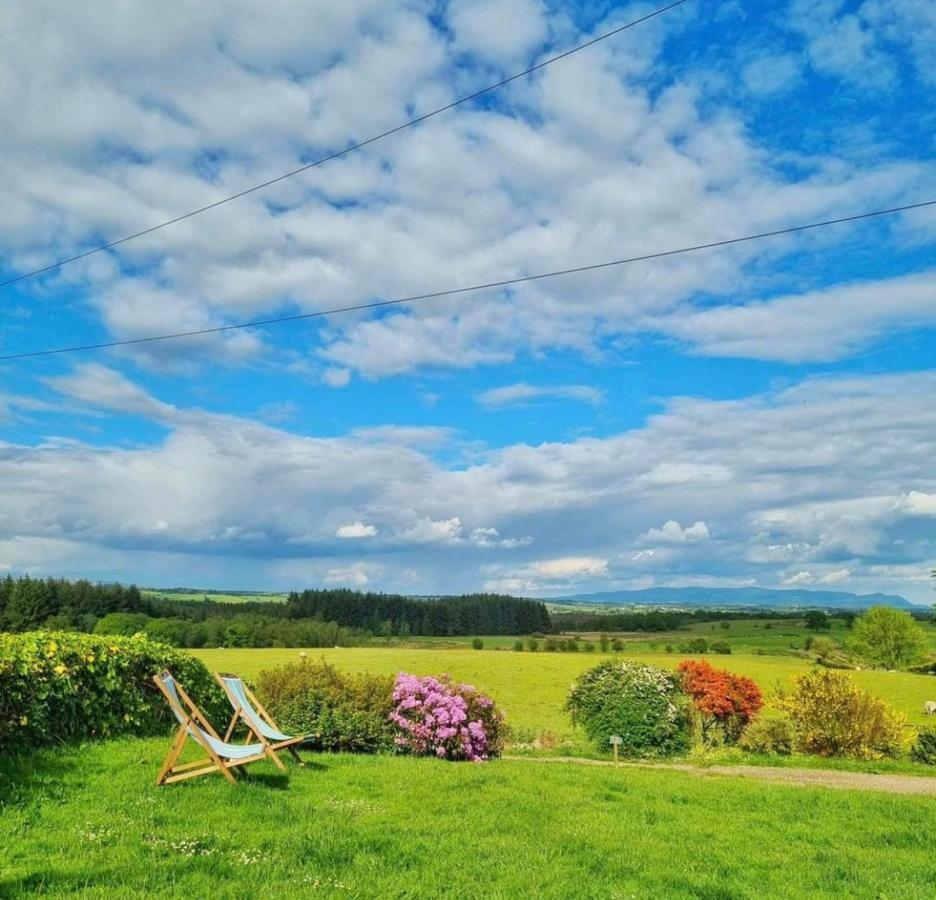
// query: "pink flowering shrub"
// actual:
[[436, 716]]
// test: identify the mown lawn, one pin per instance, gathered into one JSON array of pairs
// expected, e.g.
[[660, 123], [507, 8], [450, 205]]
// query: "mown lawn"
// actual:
[[89, 822], [532, 687]]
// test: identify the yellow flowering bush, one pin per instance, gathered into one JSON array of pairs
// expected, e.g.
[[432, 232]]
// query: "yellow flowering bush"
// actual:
[[834, 717], [58, 686]]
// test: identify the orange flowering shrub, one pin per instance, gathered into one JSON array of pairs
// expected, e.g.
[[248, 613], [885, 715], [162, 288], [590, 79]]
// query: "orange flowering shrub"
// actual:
[[725, 702]]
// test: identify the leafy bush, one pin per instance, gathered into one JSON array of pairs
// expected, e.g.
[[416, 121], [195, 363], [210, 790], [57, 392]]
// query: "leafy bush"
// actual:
[[518, 646], [725, 702], [64, 686], [436, 716], [924, 748], [696, 645], [772, 731], [642, 704], [477, 644], [337, 711], [720, 647], [834, 717]]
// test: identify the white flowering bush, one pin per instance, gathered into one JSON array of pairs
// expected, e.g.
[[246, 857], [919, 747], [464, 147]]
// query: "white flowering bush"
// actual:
[[644, 705]]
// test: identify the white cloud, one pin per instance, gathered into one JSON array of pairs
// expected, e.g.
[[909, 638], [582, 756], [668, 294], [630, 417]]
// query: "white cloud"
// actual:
[[157, 114], [918, 503], [841, 320], [427, 531], [356, 530], [516, 394], [497, 30], [798, 578], [837, 576], [337, 378], [672, 532], [352, 576]]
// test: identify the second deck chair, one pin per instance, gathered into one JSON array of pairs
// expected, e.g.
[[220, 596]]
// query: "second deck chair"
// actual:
[[221, 756], [260, 725]]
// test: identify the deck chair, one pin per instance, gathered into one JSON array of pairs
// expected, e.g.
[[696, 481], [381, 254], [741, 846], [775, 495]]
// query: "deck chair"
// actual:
[[260, 725], [221, 757]]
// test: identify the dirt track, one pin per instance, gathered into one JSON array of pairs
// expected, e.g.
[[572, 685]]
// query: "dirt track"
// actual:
[[854, 781]]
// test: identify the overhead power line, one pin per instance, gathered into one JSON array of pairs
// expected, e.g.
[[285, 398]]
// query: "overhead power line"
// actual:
[[371, 140], [506, 282]]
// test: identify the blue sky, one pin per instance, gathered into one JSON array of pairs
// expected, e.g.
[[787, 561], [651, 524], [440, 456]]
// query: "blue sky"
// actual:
[[760, 414]]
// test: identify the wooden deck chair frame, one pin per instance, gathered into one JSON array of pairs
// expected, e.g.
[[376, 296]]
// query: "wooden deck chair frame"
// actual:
[[191, 720], [258, 708]]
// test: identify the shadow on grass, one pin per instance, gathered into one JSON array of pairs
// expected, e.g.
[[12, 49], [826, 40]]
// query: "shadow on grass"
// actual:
[[46, 881], [25, 776]]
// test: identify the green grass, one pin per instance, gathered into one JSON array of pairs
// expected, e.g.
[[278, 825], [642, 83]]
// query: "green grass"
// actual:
[[88, 822], [532, 687]]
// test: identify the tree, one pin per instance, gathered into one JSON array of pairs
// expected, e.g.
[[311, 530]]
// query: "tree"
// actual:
[[817, 620], [888, 638]]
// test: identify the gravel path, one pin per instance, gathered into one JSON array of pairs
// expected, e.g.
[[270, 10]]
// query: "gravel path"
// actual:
[[852, 781]]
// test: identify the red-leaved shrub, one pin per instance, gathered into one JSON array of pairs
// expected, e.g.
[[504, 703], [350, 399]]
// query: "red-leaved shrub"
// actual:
[[726, 702]]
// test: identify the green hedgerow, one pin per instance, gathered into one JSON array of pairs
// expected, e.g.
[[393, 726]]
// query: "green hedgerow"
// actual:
[[643, 704], [57, 687]]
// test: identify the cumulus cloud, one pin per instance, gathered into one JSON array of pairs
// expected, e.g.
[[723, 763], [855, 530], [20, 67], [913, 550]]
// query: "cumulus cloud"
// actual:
[[588, 159], [671, 532], [519, 393], [356, 530], [352, 576], [814, 487]]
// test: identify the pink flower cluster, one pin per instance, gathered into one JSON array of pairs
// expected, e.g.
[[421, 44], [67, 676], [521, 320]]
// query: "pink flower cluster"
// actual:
[[434, 717]]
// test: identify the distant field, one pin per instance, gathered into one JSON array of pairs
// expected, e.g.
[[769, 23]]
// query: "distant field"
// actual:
[[746, 635], [531, 687], [216, 598]]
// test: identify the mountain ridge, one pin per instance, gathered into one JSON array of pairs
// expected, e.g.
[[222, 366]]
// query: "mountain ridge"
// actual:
[[776, 598]]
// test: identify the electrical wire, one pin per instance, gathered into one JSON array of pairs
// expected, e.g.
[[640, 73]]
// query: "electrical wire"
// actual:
[[506, 282], [371, 140]]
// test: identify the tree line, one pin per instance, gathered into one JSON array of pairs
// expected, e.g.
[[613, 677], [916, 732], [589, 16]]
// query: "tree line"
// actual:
[[393, 614], [312, 618]]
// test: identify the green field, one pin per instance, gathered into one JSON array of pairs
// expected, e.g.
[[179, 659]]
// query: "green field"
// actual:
[[89, 822], [531, 687]]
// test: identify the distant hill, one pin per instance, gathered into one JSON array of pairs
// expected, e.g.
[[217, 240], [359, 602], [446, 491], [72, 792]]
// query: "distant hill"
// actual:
[[745, 596]]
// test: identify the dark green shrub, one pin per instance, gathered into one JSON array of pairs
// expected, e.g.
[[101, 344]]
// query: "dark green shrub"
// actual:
[[696, 645], [477, 644], [62, 686], [772, 731], [644, 705], [532, 644], [720, 647], [337, 711], [518, 646], [924, 748]]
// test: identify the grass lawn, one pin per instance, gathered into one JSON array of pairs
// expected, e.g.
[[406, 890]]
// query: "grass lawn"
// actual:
[[531, 687], [89, 822]]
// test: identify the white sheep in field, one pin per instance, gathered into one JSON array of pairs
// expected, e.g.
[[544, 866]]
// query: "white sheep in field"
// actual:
[[929, 708]]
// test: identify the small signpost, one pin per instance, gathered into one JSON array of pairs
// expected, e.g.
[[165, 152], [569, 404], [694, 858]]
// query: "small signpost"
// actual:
[[615, 741]]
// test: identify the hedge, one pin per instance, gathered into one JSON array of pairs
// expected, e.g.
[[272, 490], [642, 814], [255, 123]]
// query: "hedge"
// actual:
[[58, 687]]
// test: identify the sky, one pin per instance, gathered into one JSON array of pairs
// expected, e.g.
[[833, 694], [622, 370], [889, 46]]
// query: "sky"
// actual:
[[759, 414]]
